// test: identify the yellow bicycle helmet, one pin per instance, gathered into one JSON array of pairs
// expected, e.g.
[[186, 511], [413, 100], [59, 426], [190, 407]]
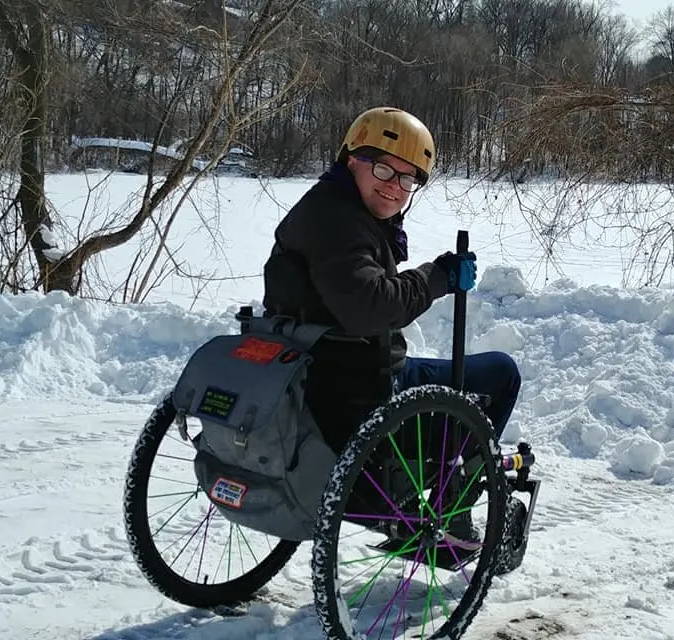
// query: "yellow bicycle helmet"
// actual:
[[392, 131]]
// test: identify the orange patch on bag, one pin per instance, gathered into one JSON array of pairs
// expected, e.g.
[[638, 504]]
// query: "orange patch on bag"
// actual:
[[256, 350]]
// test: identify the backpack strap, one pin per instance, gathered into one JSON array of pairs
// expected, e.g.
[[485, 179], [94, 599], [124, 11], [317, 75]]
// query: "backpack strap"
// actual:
[[305, 335]]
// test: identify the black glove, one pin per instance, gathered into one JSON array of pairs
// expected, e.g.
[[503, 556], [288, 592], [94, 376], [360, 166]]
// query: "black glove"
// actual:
[[461, 270]]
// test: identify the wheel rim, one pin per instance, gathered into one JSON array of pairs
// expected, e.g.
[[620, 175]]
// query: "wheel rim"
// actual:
[[410, 572], [191, 536]]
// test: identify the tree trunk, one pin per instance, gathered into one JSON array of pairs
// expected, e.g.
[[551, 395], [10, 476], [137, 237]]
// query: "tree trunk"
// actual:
[[34, 61]]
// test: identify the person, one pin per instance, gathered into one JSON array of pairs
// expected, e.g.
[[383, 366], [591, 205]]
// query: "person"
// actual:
[[334, 262]]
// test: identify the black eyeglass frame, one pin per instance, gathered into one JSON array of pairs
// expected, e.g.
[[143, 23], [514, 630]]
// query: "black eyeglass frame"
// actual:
[[415, 184]]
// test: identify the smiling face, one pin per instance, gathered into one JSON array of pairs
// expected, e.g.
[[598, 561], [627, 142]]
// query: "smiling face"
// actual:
[[383, 199]]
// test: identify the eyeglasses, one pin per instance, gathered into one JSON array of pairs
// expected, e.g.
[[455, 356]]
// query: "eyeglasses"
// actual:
[[386, 173]]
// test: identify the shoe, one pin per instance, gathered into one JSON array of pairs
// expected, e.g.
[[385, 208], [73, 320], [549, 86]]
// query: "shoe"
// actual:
[[461, 527], [461, 543], [445, 557], [454, 553]]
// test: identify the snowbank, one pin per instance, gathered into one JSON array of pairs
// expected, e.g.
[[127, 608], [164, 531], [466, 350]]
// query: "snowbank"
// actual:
[[597, 365], [59, 347], [597, 362]]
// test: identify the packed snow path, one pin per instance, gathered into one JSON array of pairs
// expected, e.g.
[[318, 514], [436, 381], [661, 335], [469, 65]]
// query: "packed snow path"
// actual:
[[599, 559]]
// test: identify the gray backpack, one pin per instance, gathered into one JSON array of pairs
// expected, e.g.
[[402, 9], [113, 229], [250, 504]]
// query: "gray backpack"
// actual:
[[260, 456]]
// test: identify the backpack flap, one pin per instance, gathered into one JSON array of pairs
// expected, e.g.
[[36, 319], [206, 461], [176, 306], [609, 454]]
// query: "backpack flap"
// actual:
[[252, 500], [235, 385]]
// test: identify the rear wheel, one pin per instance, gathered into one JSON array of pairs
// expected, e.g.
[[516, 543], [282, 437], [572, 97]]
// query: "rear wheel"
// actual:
[[411, 518], [179, 539]]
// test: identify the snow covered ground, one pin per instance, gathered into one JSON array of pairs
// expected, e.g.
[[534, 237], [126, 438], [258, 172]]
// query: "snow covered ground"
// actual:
[[78, 378]]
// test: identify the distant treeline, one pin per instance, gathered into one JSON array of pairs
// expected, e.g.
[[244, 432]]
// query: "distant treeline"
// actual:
[[510, 87]]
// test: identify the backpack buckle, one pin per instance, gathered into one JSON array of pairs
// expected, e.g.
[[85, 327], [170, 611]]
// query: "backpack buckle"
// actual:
[[241, 437], [181, 422]]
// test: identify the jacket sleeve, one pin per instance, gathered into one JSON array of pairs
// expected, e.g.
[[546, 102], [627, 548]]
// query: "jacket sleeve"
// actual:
[[345, 268]]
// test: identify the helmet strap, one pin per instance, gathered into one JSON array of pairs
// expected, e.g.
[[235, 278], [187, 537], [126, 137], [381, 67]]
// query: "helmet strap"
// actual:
[[409, 205]]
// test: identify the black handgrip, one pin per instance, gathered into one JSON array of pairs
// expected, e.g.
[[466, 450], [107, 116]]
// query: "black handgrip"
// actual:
[[462, 242], [459, 337], [244, 316]]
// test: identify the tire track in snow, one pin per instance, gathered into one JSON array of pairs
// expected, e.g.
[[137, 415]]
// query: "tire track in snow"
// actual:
[[28, 447], [587, 497], [42, 566]]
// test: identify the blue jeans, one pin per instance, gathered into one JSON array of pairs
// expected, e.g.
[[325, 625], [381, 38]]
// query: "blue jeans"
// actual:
[[492, 373]]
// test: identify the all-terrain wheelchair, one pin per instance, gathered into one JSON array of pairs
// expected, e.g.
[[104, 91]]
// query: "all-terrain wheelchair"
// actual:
[[419, 511]]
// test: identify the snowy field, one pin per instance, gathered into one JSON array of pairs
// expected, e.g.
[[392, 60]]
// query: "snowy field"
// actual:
[[242, 214], [78, 379]]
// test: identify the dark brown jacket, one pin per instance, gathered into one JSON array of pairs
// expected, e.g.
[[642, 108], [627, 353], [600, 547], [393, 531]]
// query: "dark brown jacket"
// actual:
[[332, 264]]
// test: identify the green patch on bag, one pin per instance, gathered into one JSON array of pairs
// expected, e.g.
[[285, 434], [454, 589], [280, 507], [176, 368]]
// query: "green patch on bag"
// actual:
[[217, 403]]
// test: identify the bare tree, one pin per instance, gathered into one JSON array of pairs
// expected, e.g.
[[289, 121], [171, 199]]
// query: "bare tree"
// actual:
[[616, 42], [27, 36], [28, 30], [605, 145], [661, 34]]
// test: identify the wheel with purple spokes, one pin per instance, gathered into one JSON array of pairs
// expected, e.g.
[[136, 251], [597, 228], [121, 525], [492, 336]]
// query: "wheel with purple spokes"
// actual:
[[182, 543], [411, 518]]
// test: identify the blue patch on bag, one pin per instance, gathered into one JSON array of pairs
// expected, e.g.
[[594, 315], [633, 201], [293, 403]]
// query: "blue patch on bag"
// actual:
[[228, 492]]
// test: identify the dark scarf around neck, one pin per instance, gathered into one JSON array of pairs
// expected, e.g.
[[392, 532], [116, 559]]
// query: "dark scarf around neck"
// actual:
[[392, 227]]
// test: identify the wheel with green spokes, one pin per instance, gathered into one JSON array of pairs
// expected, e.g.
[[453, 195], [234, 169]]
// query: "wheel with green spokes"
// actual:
[[182, 543], [411, 518]]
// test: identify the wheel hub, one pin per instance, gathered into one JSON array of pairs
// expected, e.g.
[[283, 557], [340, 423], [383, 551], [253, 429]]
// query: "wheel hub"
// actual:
[[432, 534]]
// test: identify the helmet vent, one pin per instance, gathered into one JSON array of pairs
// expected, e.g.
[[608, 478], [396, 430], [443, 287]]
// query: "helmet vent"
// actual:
[[428, 154], [390, 134]]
